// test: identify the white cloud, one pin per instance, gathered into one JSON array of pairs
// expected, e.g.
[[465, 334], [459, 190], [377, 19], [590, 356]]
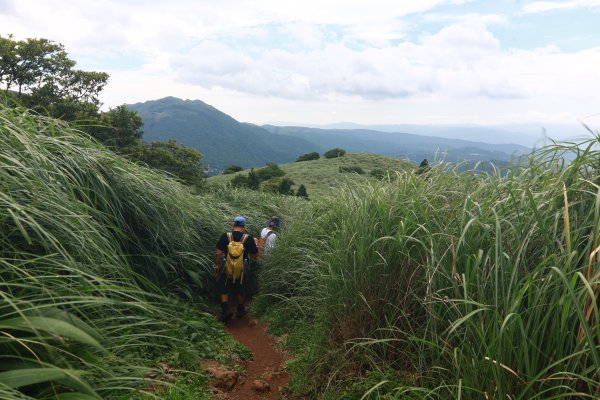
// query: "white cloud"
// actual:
[[314, 55], [544, 6], [460, 60]]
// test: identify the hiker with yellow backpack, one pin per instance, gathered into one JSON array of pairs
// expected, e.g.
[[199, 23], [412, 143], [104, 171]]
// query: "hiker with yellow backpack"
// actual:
[[232, 263]]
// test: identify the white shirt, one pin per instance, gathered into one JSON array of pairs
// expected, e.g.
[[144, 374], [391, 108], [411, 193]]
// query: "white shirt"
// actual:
[[270, 240]]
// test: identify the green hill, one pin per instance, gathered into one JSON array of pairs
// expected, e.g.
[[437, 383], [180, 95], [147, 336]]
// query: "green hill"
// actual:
[[405, 145], [320, 176], [222, 139]]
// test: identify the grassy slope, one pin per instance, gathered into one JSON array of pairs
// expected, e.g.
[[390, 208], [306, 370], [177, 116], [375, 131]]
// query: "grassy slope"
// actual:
[[319, 176], [458, 286], [97, 258]]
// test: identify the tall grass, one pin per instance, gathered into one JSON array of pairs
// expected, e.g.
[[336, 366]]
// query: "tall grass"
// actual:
[[96, 256], [463, 285]]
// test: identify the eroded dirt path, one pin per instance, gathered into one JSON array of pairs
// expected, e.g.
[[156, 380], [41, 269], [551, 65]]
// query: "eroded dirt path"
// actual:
[[268, 364]]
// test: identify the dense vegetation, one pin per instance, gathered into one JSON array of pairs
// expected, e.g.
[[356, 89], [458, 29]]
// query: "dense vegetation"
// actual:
[[446, 285], [334, 153], [319, 176], [308, 157], [38, 74], [97, 259]]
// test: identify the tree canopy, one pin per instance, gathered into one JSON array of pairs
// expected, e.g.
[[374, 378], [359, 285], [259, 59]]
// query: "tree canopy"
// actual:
[[182, 162], [308, 157], [39, 74], [334, 153], [42, 74]]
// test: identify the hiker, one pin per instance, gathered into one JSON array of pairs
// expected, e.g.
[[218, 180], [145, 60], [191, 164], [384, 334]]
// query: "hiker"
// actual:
[[232, 262], [269, 234]]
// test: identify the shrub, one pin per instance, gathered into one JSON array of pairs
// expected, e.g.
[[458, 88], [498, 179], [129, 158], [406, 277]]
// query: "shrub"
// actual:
[[271, 170], [239, 181], [308, 157], [253, 181], [334, 153], [301, 192], [351, 169], [232, 169], [378, 173]]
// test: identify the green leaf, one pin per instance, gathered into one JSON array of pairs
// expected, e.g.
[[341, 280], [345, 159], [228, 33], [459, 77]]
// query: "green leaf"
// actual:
[[75, 396], [29, 376], [50, 325]]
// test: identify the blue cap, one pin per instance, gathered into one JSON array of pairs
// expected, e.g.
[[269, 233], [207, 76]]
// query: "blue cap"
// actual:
[[239, 221]]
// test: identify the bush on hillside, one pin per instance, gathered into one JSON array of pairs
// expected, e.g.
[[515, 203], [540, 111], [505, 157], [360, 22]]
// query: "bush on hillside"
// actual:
[[239, 181], [308, 157], [334, 153], [351, 169], [232, 169], [180, 161], [271, 170], [279, 186], [301, 192], [378, 173]]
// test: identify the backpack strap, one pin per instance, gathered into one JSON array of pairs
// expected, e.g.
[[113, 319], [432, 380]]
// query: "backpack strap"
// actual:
[[230, 236], [269, 234], [244, 238]]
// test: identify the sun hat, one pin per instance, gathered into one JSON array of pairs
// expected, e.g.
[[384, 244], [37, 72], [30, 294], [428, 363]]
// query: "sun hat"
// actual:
[[239, 221], [274, 222]]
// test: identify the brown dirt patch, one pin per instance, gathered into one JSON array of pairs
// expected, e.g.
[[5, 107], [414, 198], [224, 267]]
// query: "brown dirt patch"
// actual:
[[265, 376]]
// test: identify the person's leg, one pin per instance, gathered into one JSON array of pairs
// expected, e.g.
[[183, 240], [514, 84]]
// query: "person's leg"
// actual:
[[241, 308], [226, 313]]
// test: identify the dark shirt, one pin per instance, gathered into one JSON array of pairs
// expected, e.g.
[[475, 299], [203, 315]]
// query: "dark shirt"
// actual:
[[249, 245]]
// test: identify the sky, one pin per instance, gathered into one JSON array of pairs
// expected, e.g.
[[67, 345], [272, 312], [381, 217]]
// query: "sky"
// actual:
[[318, 62]]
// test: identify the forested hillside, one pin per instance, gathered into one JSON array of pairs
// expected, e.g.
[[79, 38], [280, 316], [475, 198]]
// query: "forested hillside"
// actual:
[[222, 139]]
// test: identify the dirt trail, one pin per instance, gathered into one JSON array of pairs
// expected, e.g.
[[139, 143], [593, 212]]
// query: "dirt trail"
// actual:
[[268, 362]]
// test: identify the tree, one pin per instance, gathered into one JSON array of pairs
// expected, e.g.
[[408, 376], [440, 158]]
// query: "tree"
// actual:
[[285, 186], [378, 173], [253, 180], [271, 170], [308, 157], [182, 162], [301, 192], [271, 186], [42, 70], [240, 180], [232, 169], [119, 127], [424, 168], [334, 153]]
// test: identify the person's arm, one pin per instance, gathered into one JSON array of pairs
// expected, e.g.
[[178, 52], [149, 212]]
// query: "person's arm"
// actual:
[[219, 252], [218, 256], [252, 249]]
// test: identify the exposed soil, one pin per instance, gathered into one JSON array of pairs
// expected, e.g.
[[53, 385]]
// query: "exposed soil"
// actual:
[[265, 376]]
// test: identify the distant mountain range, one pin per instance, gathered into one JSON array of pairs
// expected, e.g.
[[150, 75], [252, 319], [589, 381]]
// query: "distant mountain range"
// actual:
[[225, 141], [405, 145]]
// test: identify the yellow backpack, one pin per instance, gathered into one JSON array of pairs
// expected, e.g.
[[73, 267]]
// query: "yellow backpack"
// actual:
[[234, 263]]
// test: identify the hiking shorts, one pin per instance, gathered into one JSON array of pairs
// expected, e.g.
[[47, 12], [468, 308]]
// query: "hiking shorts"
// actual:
[[227, 286]]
